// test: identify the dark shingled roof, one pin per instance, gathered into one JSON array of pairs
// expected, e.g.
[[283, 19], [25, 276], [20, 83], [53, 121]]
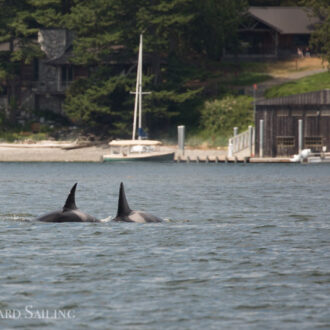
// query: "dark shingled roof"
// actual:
[[285, 20], [310, 98], [63, 59]]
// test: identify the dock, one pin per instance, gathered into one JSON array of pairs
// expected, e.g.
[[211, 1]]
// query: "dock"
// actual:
[[209, 159], [221, 156], [263, 160], [226, 160]]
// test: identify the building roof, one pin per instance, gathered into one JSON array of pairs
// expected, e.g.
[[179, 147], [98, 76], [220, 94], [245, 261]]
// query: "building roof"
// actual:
[[312, 98], [285, 20], [63, 59]]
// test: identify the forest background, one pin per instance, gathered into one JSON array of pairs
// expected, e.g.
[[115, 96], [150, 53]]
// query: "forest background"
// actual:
[[183, 47]]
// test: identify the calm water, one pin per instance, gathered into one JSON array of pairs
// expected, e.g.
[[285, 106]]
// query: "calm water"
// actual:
[[243, 247]]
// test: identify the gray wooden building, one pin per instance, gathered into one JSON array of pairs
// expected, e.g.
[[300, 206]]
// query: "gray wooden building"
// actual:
[[280, 123]]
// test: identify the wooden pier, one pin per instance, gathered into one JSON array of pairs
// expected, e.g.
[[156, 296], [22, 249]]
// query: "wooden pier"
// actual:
[[265, 160], [210, 159], [230, 160]]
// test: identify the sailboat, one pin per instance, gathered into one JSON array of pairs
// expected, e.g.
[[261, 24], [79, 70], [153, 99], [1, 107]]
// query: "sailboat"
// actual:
[[137, 148]]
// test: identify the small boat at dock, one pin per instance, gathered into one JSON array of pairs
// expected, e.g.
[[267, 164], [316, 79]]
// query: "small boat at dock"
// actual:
[[309, 157], [137, 150], [319, 158]]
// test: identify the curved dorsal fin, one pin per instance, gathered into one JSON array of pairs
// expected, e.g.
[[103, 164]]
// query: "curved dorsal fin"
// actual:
[[123, 208], [70, 203]]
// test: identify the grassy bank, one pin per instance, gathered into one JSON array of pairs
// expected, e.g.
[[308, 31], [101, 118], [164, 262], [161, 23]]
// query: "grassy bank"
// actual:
[[308, 84]]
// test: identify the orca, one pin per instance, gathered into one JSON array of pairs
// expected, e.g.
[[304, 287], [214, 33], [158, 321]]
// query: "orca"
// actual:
[[69, 213], [125, 214]]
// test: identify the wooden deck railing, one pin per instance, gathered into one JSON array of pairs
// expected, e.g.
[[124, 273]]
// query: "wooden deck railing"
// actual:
[[242, 141]]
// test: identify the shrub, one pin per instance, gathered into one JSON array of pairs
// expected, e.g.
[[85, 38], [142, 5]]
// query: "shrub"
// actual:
[[218, 117]]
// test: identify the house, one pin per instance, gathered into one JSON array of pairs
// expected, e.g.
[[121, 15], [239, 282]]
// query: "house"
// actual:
[[54, 72], [41, 84], [274, 32], [281, 118]]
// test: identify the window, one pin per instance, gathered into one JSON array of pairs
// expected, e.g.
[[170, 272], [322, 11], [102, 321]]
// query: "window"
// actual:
[[285, 141], [66, 75], [35, 69], [313, 142], [282, 113]]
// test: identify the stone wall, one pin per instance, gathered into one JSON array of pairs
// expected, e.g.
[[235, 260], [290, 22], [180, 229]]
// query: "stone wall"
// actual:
[[53, 42]]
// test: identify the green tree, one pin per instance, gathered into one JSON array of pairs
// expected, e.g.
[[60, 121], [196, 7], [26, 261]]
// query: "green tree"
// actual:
[[51, 13], [320, 40], [107, 37], [18, 30], [102, 42], [274, 2], [165, 25], [215, 26], [100, 103], [176, 33]]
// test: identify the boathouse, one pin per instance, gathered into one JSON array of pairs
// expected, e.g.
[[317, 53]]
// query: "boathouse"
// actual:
[[277, 123]]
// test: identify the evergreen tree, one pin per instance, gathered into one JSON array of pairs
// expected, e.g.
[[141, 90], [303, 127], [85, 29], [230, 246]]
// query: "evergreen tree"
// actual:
[[19, 31], [265, 3], [102, 42], [215, 26], [51, 13], [320, 39], [107, 36], [106, 41]]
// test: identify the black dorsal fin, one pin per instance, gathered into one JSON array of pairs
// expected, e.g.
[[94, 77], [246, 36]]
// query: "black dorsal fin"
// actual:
[[123, 208], [70, 203]]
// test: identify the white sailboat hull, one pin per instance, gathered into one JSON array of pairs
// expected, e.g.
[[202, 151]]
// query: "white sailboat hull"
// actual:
[[150, 156]]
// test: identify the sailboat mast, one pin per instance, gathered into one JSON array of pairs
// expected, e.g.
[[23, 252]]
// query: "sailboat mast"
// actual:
[[136, 95], [140, 87]]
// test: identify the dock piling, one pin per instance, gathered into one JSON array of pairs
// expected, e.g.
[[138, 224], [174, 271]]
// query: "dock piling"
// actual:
[[261, 138], [181, 138], [300, 135], [250, 142]]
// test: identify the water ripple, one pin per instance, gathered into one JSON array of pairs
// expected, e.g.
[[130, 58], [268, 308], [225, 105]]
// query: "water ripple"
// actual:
[[243, 247]]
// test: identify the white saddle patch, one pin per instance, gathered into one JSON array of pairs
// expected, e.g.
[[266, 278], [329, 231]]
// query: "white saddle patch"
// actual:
[[106, 219]]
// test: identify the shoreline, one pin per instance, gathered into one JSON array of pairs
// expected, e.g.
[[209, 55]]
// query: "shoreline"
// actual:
[[87, 152], [51, 151], [51, 154]]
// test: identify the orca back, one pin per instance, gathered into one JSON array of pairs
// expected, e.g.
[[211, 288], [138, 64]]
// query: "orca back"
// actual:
[[69, 212]]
